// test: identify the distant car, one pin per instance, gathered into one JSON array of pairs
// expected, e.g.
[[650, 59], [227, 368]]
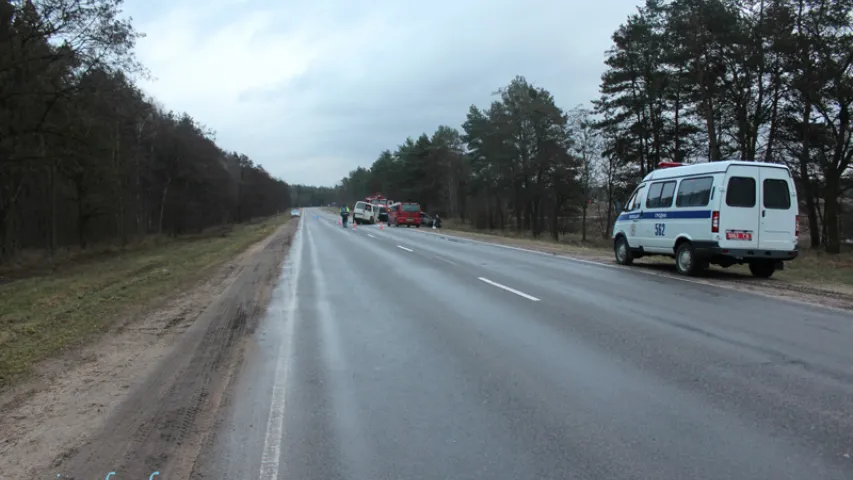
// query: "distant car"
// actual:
[[295, 213], [426, 219]]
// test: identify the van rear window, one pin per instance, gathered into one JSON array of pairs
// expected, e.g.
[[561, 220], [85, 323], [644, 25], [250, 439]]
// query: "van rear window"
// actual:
[[741, 192], [776, 194], [694, 192], [411, 207]]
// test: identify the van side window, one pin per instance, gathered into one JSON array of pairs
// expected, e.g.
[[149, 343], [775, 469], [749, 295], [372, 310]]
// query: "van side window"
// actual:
[[660, 195], [776, 194], [694, 192], [654, 195], [741, 192]]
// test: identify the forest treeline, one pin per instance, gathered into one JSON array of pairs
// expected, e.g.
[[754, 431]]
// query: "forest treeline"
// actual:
[[86, 157], [686, 81]]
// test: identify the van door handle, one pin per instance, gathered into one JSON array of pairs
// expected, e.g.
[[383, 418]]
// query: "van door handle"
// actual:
[[763, 212]]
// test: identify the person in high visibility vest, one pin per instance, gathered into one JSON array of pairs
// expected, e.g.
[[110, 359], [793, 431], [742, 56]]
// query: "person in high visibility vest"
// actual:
[[344, 214]]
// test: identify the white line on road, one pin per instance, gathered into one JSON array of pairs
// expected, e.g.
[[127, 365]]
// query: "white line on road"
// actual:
[[508, 289], [271, 455], [371, 236], [406, 249]]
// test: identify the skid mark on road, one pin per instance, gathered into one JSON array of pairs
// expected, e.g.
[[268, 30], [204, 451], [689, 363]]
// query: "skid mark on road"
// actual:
[[446, 260], [508, 289]]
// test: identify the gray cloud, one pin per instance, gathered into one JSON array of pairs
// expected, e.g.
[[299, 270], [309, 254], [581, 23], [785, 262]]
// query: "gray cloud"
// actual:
[[338, 81]]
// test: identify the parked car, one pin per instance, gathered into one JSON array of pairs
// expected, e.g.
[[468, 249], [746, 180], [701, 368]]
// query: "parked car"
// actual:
[[721, 213], [426, 219], [381, 212], [405, 213], [363, 213], [295, 213]]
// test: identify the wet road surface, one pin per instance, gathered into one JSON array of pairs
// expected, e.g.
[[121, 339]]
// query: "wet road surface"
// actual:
[[398, 354]]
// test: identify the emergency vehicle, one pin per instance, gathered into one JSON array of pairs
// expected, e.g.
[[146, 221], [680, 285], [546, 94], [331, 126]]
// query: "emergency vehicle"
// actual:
[[378, 199], [722, 213], [380, 206]]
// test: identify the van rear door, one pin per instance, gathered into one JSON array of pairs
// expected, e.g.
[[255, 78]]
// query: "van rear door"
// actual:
[[778, 210], [739, 212]]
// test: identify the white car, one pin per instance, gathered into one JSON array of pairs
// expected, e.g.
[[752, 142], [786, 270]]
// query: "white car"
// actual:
[[363, 212], [295, 213], [722, 213]]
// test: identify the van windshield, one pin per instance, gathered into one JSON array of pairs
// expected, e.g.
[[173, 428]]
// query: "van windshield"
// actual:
[[411, 207]]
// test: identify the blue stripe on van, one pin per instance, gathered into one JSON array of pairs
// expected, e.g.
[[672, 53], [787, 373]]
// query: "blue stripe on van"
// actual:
[[666, 214]]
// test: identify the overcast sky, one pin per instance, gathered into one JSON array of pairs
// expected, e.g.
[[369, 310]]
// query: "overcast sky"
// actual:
[[312, 89]]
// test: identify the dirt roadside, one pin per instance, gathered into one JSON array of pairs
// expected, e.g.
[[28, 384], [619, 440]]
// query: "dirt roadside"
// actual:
[[144, 397], [835, 296]]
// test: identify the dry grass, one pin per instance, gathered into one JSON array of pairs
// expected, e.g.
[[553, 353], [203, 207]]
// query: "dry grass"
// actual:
[[814, 268], [45, 313]]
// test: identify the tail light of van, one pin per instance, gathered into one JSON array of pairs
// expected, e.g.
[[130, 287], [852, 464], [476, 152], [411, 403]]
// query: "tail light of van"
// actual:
[[796, 225], [715, 222]]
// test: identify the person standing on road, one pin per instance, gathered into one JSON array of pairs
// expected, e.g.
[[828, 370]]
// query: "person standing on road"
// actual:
[[344, 213]]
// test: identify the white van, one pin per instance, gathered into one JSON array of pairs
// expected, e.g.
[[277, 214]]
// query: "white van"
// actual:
[[363, 213], [712, 213]]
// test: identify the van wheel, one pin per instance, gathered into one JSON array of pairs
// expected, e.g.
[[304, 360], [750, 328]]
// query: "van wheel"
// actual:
[[623, 252], [418, 226], [685, 260], [762, 269]]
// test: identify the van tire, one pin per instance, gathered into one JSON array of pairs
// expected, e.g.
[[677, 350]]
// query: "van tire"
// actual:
[[623, 252], [685, 260], [762, 268]]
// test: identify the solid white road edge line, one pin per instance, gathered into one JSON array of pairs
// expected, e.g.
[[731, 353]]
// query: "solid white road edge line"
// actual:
[[508, 289], [271, 456], [404, 248], [641, 271]]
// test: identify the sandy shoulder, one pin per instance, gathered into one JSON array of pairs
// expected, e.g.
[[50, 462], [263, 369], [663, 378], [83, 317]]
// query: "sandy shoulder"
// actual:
[[46, 419]]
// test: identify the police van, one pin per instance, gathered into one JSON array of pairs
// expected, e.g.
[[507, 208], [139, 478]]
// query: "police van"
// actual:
[[721, 213]]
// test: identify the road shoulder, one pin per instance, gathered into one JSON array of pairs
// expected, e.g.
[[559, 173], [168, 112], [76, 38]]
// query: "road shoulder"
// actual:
[[147, 391]]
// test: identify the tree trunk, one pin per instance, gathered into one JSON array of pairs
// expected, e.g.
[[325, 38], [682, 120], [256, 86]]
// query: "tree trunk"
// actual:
[[830, 215], [163, 204], [51, 210]]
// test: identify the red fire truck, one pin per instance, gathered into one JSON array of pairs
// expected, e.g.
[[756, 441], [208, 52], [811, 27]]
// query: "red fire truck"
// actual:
[[378, 199]]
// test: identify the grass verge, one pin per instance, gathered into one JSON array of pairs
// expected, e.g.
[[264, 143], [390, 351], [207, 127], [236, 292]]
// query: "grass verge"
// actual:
[[42, 315], [813, 268]]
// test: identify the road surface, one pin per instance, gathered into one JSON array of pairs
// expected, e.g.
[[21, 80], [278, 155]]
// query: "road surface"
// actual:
[[398, 354]]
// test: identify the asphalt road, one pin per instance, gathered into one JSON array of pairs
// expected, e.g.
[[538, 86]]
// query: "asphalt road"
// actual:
[[398, 354]]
